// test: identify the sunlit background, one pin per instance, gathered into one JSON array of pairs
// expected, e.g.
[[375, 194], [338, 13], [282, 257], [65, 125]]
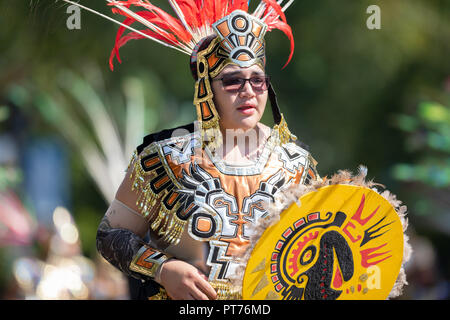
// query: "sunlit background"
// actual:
[[68, 127]]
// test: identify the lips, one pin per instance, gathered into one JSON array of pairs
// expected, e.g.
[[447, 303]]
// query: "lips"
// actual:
[[247, 109]]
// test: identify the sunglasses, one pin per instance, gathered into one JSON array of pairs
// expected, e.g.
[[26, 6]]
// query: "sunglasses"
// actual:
[[235, 84]]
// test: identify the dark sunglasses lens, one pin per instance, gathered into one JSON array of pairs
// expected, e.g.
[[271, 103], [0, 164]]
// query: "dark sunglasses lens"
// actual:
[[232, 83], [259, 83]]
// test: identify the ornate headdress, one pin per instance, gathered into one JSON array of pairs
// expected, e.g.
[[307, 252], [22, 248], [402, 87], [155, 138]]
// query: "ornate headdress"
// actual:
[[214, 33]]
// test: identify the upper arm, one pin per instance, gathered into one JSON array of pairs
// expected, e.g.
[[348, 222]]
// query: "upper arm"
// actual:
[[123, 212]]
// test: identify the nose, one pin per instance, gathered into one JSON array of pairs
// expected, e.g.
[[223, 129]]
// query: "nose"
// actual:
[[247, 89]]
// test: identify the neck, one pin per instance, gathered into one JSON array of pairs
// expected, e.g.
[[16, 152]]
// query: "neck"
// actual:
[[239, 144]]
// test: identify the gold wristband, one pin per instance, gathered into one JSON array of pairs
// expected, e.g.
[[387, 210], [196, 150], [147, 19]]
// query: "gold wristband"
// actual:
[[147, 261]]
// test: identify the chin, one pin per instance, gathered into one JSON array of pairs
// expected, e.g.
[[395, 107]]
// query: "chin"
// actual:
[[241, 124], [247, 125]]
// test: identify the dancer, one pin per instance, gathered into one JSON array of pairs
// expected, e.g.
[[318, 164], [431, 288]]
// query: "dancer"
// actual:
[[197, 190]]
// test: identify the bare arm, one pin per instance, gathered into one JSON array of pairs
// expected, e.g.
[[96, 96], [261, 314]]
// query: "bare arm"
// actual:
[[120, 236]]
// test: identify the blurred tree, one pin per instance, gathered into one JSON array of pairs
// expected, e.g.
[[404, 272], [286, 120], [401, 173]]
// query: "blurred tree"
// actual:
[[429, 137], [102, 128], [425, 176]]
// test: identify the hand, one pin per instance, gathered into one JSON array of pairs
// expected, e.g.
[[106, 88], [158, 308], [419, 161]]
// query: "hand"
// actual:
[[183, 281]]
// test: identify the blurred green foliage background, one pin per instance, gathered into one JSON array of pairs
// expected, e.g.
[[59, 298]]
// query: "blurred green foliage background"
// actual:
[[379, 97]]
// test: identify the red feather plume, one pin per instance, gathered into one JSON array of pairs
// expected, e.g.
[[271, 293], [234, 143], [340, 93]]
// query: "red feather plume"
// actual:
[[194, 19], [273, 22]]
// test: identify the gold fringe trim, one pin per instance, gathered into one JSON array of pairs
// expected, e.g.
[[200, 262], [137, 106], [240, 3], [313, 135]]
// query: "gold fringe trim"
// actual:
[[168, 225], [137, 172], [284, 133], [161, 295], [174, 230], [159, 219], [146, 201], [163, 221], [211, 134], [226, 290]]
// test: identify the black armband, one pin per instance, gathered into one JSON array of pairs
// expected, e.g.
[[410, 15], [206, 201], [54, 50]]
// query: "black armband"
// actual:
[[128, 252]]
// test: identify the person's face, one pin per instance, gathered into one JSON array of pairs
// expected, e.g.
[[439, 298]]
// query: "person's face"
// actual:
[[242, 109]]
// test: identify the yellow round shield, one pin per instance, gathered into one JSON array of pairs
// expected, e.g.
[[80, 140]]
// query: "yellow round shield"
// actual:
[[343, 242]]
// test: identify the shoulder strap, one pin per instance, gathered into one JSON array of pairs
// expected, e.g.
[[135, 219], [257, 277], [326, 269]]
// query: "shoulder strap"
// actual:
[[162, 135]]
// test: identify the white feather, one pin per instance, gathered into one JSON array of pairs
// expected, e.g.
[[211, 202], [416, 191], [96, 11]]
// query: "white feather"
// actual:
[[183, 50]]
